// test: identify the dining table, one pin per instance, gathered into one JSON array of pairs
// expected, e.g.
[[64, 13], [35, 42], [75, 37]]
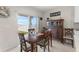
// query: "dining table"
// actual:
[[33, 39]]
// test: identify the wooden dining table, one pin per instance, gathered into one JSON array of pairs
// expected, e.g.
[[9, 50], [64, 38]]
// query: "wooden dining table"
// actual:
[[33, 40]]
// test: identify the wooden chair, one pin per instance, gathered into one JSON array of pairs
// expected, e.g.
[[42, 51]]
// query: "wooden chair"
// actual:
[[50, 36], [44, 41], [23, 45], [68, 36]]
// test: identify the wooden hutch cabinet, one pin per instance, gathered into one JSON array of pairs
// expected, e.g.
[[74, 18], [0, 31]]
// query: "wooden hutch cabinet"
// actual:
[[57, 28]]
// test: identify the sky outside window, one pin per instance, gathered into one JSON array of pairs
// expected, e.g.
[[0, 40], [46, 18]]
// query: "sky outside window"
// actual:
[[23, 20]]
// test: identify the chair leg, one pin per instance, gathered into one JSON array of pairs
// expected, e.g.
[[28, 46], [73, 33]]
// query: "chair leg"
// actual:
[[64, 40], [36, 49], [48, 49], [21, 48], [51, 42], [72, 44], [44, 48], [48, 46]]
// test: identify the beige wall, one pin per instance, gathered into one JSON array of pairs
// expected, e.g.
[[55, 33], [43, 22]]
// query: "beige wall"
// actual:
[[76, 32], [76, 40], [8, 32], [76, 14], [8, 27], [67, 13]]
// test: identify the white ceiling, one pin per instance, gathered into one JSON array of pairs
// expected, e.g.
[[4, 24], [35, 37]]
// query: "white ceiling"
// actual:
[[43, 8]]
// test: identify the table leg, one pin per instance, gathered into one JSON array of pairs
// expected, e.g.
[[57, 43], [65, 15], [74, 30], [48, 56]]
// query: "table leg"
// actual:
[[48, 46], [50, 40], [33, 47]]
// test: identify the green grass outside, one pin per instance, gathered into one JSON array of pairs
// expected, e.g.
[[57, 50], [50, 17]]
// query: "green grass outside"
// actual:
[[23, 32]]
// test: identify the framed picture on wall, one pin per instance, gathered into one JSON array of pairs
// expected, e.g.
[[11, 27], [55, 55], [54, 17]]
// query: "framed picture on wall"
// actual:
[[58, 13], [4, 11]]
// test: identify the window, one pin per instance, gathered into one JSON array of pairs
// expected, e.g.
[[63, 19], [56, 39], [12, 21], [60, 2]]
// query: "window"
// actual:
[[34, 22], [23, 23]]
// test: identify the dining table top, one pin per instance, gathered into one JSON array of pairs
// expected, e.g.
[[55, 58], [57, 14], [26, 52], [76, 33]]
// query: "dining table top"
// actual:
[[34, 38]]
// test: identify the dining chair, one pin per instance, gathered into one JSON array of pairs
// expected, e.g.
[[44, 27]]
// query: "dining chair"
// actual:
[[44, 41], [68, 36], [50, 36], [31, 31], [23, 45]]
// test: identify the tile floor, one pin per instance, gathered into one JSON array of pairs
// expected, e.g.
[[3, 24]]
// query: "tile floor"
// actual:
[[57, 47]]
